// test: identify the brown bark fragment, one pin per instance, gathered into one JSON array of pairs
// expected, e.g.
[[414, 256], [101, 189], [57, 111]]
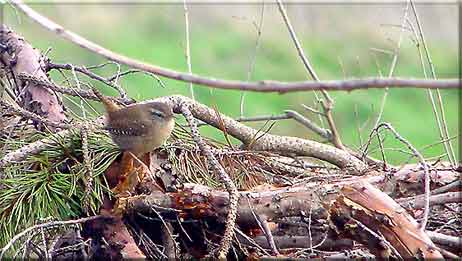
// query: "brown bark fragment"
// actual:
[[21, 58], [370, 216]]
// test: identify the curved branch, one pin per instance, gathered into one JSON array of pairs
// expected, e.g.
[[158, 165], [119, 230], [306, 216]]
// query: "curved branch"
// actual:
[[267, 142], [262, 86]]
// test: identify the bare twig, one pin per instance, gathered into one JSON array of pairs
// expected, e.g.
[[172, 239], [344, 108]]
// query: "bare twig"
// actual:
[[254, 57], [262, 86], [120, 74], [393, 65], [422, 163], [44, 225], [265, 118], [309, 124], [83, 94], [328, 103], [262, 222], [89, 170], [187, 51], [227, 239], [268, 235], [442, 125], [84, 70]]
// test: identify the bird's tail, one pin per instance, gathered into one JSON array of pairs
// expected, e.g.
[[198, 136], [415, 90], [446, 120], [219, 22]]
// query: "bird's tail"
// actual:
[[109, 105]]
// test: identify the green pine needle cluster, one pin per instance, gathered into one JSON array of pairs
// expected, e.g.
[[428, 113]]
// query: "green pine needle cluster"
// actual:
[[50, 185]]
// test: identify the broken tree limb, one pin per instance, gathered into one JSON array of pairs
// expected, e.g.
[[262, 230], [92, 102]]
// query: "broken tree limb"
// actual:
[[450, 242], [285, 242], [18, 56], [349, 208], [370, 216], [440, 199]]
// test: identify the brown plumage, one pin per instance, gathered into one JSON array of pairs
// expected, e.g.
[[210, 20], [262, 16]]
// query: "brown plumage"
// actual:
[[138, 128]]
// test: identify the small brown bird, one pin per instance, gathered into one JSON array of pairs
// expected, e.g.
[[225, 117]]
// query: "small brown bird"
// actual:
[[138, 128]]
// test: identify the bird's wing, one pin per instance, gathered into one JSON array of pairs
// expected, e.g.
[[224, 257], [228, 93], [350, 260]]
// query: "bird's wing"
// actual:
[[124, 131], [129, 121]]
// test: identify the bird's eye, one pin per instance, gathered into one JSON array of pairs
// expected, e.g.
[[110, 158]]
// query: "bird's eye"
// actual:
[[157, 113]]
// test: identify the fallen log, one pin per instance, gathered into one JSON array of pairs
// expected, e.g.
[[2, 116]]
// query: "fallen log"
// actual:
[[356, 211]]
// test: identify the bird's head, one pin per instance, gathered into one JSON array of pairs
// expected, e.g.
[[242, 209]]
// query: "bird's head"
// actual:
[[160, 112]]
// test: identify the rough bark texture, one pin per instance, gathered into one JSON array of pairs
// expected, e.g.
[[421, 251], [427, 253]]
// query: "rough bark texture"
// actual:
[[20, 57], [352, 209]]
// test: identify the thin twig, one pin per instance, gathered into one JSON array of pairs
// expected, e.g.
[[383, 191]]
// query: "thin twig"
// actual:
[[226, 241], [443, 128], [188, 51], [254, 58], [88, 177], [84, 70], [44, 225], [309, 124], [392, 66], [73, 92], [263, 224], [261, 86], [119, 75], [328, 103], [265, 118], [269, 235], [422, 163], [76, 79]]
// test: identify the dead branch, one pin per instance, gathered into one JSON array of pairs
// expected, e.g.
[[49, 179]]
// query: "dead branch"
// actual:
[[363, 204], [287, 242], [268, 142], [68, 91], [439, 199], [354, 208], [45, 225], [262, 86], [18, 56], [228, 182], [451, 242], [84, 70]]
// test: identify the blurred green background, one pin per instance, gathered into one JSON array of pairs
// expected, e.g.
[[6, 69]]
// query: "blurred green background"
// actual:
[[342, 41]]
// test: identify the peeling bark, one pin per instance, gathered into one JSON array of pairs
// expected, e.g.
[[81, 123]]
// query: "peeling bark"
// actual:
[[20, 57], [369, 216], [352, 210]]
